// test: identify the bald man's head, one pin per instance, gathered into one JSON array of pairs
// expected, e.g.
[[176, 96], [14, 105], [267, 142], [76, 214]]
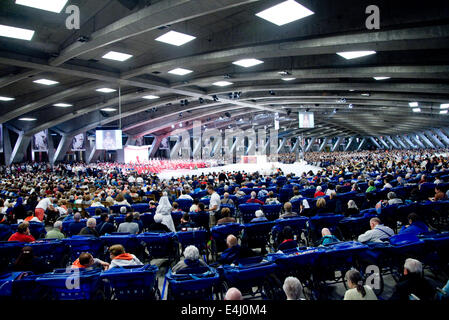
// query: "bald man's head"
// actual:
[[231, 241], [233, 294]]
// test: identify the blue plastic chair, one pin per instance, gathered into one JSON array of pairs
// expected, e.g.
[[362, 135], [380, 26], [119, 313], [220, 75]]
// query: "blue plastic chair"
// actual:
[[184, 204], [160, 245], [257, 235], [140, 207], [80, 244], [248, 211], [272, 211]]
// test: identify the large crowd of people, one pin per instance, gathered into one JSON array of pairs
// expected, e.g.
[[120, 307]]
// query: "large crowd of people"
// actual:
[[42, 193]]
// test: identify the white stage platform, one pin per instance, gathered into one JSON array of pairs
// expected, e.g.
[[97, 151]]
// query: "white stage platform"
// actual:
[[264, 168]]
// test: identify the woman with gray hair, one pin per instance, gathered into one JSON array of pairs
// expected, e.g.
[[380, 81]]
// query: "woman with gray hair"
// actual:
[[292, 288], [352, 210], [191, 260], [393, 199], [357, 290]]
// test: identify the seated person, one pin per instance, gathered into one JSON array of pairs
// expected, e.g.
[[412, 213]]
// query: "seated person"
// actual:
[[226, 217], [288, 242], [226, 199], [56, 232], [369, 201], [234, 251], [158, 226], [318, 192], [292, 288], [416, 225], [185, 195], [86, 260], [393, 199], [28, 262], [186, 224], [327, 237], [105, 226], [119, 258], [191, 260], [194, 206], [129, 226], [413, 281], [371, 186], [31, 217], [296, 194], [23, 233], [439, 194], [90, 230], [239, 193], [357, 291], [260, 217], [253, 199], [321, 207], [288, 211], [76, 226], [176, 207], [271, 199], [378, 232], [352, 210]]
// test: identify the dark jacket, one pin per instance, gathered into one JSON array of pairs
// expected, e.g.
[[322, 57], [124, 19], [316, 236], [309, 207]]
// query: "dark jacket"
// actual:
[[416, 284], [86, 231], [105, 227], [75, 227], [233, 254], [158, 227]]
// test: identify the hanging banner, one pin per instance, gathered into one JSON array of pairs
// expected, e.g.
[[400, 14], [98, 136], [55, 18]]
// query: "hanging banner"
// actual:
[[40, 142], [78, 143]]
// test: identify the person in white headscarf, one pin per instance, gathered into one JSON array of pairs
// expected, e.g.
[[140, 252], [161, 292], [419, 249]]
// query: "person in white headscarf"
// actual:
[[164, 209]]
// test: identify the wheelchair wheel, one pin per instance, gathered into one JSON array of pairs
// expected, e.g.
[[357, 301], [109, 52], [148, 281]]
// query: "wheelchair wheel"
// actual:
[[272, 288]]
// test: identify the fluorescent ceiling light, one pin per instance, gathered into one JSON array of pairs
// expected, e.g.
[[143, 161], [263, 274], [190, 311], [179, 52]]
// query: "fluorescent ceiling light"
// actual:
[[47, 5], [108, 109], [443, 111], [444, 106], [46, 82], [175, 38], [246, 63], [6, 98], [416, 109], [285, 12], [106, 90], [381, 78], [288, 79], [150, 97], [355, 54], [413, 104], [62, 105], [222, 83], [180, 71], [118, 56], [27, 119], [365, 94], [16, 33]]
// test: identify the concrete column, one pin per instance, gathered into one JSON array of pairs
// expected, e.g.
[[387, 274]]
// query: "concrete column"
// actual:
[[63, 147], [375, 143], [361, 144], [443, 137], [20, 148], [349, 143], [323, 144], [420, 144], [432, 137], [312, 141], [384, 143], [426, 141], [392, 142]]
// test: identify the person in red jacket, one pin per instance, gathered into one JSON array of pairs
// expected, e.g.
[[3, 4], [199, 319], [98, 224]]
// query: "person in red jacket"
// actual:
[[22, 234], [318, 192], [253, 199]]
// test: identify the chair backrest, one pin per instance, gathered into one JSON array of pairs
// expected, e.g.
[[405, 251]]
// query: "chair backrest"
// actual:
[[248, 211], [272, 211], [197, 238], [184, 204]]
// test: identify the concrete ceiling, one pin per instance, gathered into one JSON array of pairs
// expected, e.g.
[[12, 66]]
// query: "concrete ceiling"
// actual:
[[412, 48]]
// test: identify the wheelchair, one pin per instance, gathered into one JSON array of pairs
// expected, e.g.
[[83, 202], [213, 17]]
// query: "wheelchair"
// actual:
[[160, 245], [192, 284], [131, 283], [298, 225], [218, 237]]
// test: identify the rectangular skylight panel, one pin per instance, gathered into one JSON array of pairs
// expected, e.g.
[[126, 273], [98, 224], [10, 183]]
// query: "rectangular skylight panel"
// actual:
[[381, 78], [27, 119], [6, 98], [416, 109], [47, 5], [413, 104], [175, 38], [246, 63], [285, 12], [150, 97], [46, 82], [108, 109], [444, 106], [355, 54], [180, 71], [118, 56], [62, 105], [222, 83], [106, 90], [443, 111], [16, 33]]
